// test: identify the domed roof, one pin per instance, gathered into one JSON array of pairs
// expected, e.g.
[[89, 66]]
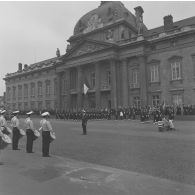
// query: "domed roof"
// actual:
[[108, 12]]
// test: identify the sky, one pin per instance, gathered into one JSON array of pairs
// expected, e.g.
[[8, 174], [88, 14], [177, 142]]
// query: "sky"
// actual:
[[31, 31]]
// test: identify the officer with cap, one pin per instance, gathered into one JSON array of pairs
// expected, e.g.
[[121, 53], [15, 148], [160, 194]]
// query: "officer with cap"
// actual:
[[29, 132], [84, 122], [46, 129], [16, 132]]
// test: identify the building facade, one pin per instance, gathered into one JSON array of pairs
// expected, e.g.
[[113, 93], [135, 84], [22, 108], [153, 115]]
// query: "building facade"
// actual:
[[121, 62]]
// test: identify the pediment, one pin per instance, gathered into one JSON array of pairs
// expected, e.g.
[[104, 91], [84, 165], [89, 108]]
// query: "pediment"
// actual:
[[87, 47]]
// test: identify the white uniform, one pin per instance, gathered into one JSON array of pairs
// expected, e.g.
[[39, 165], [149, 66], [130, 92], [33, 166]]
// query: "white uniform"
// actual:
[[15, 122], [3, 122], [29, 123], [45, 125]]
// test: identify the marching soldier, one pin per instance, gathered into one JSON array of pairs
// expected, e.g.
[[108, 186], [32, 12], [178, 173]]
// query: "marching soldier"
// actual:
[[84, 122], [29, 133], [16, 131], [46, 128]]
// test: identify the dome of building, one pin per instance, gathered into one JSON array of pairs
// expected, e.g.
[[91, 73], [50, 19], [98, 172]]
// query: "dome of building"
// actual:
[[108, 12]]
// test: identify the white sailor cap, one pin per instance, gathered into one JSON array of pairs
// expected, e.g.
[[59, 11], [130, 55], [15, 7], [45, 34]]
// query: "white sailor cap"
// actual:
[[28, 113], [16, 112], [3, 111], [45, 114]]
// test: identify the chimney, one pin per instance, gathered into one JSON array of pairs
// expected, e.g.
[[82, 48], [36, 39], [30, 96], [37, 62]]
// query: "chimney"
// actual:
[[25, 66], [19, 67], [168, 22]]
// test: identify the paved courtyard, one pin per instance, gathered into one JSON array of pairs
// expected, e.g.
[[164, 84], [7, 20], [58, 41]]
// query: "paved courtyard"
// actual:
[[129, 145]]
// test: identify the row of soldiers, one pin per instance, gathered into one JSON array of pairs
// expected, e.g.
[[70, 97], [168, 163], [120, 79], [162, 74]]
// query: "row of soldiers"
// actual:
[[142, 113]]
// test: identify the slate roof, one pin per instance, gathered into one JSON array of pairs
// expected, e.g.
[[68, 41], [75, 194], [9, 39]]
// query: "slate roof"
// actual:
[[177, 25]]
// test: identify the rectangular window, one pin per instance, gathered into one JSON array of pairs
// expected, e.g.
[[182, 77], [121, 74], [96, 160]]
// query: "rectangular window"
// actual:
[[134, 76], [39, 89], [65, 82], [48, 88], [176, 70], [40, 106], [26, 106], [55, 85], [19, 106], [19, 92], [177, 99], [32, 105], [92, 78], [8, 93], [134, 79], [155, 100], [14, 93], [108, 77], [25, 91], [193, 61], [32, 90], [154, 74], [136, 101], [48, 105], [73, 79]]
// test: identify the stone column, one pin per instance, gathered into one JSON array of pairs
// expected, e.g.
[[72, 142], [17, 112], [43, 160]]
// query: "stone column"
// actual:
[[143, 80], [97, 85], [113, 84], [125, 82], [79, 87], [59, 91], [68, 90]]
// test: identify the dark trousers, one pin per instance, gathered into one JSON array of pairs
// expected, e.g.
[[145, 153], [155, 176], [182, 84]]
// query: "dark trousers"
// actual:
[[84, 129], [0, 143], [29, 141], [45, 142], [15, 138]]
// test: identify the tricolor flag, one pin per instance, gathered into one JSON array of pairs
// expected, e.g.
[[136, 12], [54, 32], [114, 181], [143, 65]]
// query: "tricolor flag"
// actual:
[[164, 105], [86, 85], [85, 88]]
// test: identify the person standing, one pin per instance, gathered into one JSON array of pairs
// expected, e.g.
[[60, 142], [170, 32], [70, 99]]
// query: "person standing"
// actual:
[[46, 129], [16, 131], [84, 122], [29, 133], [3, 123], [1, 135]]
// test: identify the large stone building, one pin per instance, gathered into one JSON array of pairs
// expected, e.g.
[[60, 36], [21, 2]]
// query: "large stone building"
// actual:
[[121, 61]]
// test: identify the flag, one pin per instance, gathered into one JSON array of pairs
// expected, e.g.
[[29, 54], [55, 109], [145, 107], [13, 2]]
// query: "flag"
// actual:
[[85, 88], [86, 85], [164, 105]]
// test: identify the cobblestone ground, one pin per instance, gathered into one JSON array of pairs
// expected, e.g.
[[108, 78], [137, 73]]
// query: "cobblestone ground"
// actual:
[[128, 145]]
